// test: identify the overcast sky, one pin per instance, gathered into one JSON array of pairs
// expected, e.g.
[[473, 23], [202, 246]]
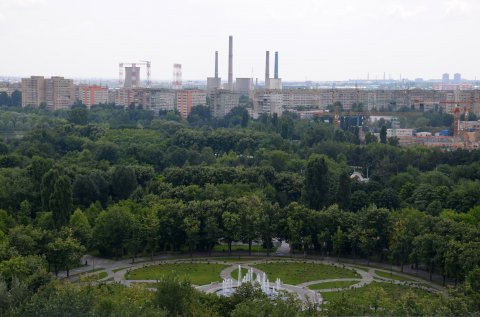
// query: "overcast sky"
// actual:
[[316, 39]]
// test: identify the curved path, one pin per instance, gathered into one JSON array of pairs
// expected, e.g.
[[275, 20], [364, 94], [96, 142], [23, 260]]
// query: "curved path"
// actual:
[[116, 271]]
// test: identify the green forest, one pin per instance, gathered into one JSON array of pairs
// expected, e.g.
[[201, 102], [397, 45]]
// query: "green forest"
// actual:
[[122, 183]]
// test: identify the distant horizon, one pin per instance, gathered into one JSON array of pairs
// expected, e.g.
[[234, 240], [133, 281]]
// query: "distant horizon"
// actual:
[[317, 40]]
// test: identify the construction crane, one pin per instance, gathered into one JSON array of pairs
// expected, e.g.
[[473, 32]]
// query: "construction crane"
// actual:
[[123, 65]]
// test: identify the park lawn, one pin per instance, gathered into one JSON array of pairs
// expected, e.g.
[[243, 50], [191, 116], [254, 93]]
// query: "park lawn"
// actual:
[[196, 273], [241, 247], [146, 285], [363, 294], [244, 272], [393, 276], [300, 272], [330, 285]]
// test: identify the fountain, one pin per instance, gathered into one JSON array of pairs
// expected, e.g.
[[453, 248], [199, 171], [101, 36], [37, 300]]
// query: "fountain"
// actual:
[[261, 279]]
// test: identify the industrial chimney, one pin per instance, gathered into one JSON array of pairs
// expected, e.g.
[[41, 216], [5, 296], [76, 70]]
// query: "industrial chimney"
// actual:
[[216, 64], [230, 62], [267, 70], [275, 72]]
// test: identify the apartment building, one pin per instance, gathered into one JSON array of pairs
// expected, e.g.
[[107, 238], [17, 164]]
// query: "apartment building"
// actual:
[[371, 100], [33, 91], [223, 101], [92, 95], [55, 92], [188, 98]]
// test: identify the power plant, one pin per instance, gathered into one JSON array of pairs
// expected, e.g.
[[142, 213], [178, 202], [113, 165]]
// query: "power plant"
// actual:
[[230, 63], [275, 82], [132, 74]]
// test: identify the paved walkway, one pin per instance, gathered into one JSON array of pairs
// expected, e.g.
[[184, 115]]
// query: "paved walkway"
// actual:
[[116, 271]]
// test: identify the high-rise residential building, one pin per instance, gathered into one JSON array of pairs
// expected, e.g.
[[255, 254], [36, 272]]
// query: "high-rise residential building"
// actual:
[[55, 93], [457, 78], [223, 101], [188, 98], [33, 91], [162, 99], [59, 93], [92, 95], [446, 78]]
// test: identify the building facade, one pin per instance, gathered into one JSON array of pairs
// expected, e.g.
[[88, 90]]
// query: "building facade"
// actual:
[[222, 102], [92, 95], [55, 92], [188, 98]]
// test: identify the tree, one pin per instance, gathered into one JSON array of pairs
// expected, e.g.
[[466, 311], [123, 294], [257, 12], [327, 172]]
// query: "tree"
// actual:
[[316, 182], [124, 182], [174, 295], [368, 240], [113, 229], [370, 138], [344, 191], [81, 229], [338, 240], [191, 226], [231, 228], [64, 251], [212, 233], [383, 135], [78, 115], [249, 217], [61, 201], [16, 99]]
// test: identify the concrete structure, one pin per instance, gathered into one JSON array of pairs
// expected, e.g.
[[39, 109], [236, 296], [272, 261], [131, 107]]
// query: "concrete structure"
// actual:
[[267, 70], [132, 77], [33, 91], [161, 100], [59, 93], [186, 99], [214, 82], [400, 133], [457, 78], [92, 95], [177, 76], [223, 101], [244, 86], [374, 100], [446, 78], [230, 63], [56, 92], [275, 72], [268, 102]]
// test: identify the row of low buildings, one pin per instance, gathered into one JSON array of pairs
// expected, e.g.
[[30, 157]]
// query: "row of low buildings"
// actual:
[[308, 100], [60, 93]]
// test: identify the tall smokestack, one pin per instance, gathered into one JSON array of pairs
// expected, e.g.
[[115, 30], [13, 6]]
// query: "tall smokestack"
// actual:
[[216, 64], [275, 72], [267, 69], [230, 62]]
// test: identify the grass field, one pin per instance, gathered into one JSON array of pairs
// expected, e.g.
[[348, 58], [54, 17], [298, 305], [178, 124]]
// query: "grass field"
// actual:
[[241, 247], [196, 273], [393, 276], [119, 269], [363, 294], [329, 285], [299, 272], [244, 272]]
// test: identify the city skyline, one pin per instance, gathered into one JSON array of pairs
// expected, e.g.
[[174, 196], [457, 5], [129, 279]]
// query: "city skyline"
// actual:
[[316, 40]]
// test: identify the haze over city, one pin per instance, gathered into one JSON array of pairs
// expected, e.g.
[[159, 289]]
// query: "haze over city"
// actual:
[[316, 40]]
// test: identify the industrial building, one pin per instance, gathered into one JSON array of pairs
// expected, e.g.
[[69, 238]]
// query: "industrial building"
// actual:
[[244, 86]]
